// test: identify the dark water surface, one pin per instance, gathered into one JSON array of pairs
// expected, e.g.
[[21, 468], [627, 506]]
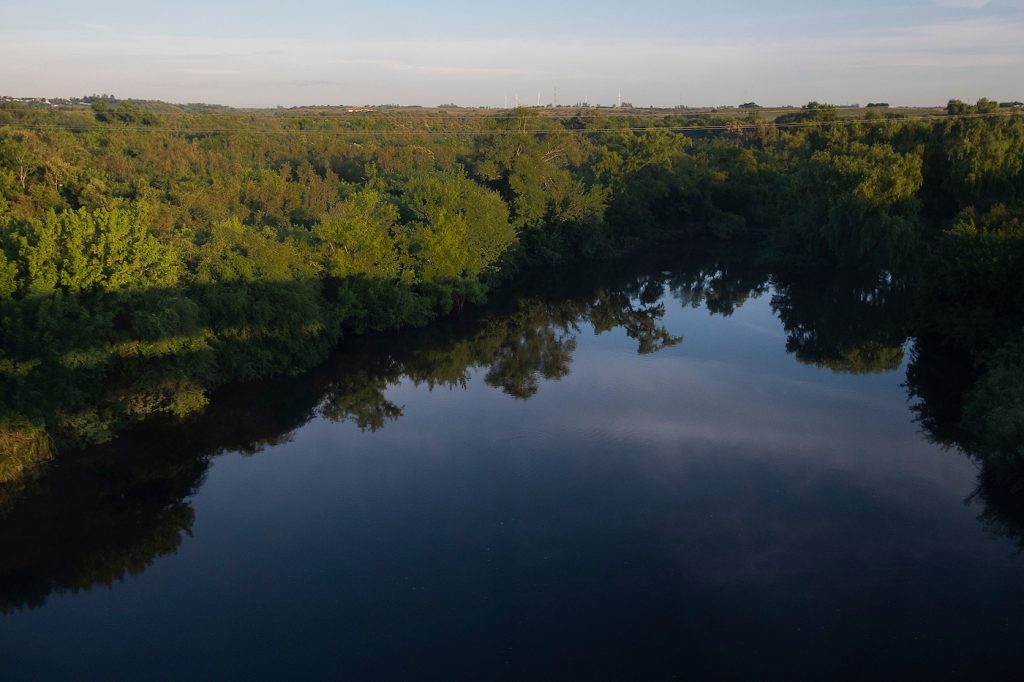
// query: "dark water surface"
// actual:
[[714, 508]]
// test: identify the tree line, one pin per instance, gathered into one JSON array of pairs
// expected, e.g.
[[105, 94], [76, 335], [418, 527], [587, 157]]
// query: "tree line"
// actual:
[[148, 256]]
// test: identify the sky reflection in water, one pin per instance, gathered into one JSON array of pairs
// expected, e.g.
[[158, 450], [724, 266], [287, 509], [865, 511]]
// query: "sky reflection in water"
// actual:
[[714, 508]]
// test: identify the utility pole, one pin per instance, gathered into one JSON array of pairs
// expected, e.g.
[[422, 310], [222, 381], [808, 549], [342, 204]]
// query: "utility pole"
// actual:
[[517, 100], [554, 97], [538, 99]]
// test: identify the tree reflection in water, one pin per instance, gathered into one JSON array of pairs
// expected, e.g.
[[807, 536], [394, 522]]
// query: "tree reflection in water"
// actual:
[[101, 513], [105, 512]]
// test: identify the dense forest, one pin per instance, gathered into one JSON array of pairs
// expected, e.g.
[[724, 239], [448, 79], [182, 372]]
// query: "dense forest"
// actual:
[[149, 256]]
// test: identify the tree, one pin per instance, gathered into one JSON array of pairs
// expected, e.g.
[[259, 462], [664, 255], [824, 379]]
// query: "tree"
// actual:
[[459, 228], [8, 277], [229, 251], [363, 237], [101, 250], [811, 112], [16, 153], [856, 201]]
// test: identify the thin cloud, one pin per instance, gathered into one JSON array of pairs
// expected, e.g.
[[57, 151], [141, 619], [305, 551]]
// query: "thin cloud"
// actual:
[[313, 83], [965, 4], [209, 72], [924, 64]]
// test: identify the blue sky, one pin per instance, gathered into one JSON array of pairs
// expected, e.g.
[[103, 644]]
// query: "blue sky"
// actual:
[[258, 53]]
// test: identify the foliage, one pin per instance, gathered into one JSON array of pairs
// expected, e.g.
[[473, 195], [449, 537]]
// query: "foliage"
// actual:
[[362, 236], [458, 228], [144, 265], [87, 251]]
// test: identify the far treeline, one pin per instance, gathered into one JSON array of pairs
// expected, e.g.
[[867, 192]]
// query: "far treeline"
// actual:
[[149, 255]]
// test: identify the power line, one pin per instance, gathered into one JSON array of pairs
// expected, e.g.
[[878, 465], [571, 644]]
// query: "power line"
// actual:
[[731, 126], [558, 113]]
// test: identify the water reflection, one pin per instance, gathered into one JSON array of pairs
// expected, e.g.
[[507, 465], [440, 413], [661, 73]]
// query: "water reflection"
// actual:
[[977, 409], [105, 512], [108, 511], [852, 322]]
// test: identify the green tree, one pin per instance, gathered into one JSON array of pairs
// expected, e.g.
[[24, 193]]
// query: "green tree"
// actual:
[[857, 202], [229, 251], [101, 250], [362, 236], [459, 228]]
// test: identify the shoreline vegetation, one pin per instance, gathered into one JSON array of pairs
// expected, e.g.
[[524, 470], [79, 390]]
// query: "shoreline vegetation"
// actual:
[[95, 516], [151, 254]]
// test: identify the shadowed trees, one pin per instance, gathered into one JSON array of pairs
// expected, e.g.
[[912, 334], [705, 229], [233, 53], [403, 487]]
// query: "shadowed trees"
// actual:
[[108, 511]]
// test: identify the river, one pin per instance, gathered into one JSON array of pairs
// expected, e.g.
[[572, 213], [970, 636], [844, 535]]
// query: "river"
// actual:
[[675, 474]]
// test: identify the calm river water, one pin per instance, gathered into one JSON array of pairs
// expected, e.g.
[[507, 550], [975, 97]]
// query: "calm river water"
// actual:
[[520, 497]]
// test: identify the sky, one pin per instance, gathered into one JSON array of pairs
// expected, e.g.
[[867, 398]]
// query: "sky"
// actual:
[[255, 53]]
